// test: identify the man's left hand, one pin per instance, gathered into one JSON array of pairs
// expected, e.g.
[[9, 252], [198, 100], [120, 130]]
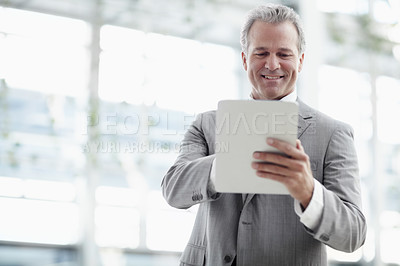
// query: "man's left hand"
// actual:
[[293, 171]]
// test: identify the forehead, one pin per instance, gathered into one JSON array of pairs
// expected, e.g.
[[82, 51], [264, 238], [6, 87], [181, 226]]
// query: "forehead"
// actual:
[[273, 35]]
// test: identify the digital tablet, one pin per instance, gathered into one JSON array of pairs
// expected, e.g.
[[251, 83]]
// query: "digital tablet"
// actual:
[[242, 127]]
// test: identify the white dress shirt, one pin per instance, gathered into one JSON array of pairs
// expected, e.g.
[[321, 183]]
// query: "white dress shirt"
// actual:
[[311, 216]]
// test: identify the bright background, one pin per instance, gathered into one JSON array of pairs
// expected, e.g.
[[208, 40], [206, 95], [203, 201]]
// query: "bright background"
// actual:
[[95, 97]]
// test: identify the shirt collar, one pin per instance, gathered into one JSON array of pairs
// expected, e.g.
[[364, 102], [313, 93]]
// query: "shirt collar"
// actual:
[[291, 97]]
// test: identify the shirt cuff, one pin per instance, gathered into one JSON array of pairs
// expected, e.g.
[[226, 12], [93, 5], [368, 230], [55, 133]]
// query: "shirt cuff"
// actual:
[[311, 216]]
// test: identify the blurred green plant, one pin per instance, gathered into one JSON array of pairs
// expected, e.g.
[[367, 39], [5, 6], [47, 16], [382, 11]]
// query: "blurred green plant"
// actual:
[[359, 30]]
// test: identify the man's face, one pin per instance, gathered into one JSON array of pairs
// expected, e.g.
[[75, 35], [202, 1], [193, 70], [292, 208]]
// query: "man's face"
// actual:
[[272, 61]]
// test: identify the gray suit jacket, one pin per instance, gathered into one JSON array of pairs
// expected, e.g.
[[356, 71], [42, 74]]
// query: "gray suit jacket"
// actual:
[[264, 229]]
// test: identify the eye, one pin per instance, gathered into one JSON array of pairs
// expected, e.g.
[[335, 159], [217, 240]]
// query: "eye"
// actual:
[[284, 55], [261, 54]]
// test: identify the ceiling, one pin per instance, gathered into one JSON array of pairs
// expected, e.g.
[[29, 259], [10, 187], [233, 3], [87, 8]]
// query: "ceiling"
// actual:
[[216, 21]]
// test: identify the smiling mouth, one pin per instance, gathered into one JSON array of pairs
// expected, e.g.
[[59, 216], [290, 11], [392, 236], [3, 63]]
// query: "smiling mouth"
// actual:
[[271, 77]]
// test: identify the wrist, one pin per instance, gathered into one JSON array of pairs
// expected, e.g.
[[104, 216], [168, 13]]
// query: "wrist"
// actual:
[[306, 201]]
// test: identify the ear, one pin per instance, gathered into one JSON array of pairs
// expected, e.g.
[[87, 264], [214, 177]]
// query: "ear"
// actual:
[[301, 58], [244, 61]]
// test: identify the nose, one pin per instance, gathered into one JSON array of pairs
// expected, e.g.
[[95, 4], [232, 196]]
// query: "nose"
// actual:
[[272, 63]]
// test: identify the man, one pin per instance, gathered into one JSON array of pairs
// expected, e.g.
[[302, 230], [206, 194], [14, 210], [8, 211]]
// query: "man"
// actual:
[[321, 172]]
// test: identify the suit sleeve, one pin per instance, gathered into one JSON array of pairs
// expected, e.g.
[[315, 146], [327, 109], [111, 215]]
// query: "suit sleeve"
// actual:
[[342, 226], [188, 182]]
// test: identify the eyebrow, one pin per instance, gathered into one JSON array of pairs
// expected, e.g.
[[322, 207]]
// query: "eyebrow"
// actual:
[[280, 49]]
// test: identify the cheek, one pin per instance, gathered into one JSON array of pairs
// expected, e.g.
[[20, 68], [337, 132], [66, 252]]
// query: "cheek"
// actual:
[[256, 66], [290, 67]]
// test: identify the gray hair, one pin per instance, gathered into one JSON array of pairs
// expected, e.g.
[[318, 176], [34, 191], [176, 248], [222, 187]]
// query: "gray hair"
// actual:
[[272, 13]]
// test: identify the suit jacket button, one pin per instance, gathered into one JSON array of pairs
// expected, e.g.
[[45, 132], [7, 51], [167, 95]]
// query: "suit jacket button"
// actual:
[[324, 237], [227, 259], [197, 197]]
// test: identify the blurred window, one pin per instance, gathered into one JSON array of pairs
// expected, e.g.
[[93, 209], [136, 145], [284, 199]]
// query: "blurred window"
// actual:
[[352, 91], [151, 87]]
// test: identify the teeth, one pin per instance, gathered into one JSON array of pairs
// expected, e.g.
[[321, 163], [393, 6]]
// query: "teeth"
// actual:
[[270, 77]]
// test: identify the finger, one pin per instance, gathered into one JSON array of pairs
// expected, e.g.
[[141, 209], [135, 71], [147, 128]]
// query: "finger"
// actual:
[[272, 158], [272, 169], [275, 177], [299, 145], [285, 147], [279, 164], [306, 158]]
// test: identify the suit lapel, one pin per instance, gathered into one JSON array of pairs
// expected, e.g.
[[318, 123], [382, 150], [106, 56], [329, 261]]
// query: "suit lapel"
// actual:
[[305, 117]]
